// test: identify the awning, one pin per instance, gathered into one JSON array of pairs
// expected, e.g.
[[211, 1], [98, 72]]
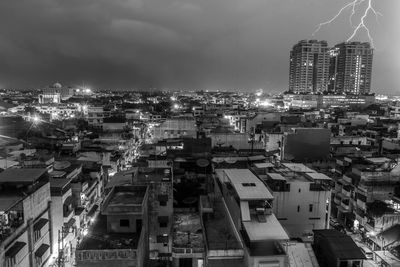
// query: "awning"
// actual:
[[163, 219], [41, 250], [11, 252], [39, 224]]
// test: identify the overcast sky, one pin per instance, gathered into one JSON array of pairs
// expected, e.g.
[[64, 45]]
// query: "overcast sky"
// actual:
[[177, 44]]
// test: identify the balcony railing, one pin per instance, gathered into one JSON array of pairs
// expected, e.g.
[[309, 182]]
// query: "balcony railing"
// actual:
[[187, 250], [105, 254]]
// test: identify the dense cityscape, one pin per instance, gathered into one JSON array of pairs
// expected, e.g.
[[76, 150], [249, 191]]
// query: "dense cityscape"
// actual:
[[184, 133], [306, 177]]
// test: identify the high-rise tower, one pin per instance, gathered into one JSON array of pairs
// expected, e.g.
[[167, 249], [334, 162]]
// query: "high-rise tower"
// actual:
[[309, 67], [351, 68]]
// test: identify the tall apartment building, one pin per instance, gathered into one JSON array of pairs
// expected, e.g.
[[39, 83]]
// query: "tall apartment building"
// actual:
[[309, 67], [351, 68]]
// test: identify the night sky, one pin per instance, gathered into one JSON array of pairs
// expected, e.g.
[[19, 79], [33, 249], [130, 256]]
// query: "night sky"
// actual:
[[178, 44]]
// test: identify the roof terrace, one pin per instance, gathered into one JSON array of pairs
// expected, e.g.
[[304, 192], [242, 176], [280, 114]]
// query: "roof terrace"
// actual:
[[125, 200], [187, 233]]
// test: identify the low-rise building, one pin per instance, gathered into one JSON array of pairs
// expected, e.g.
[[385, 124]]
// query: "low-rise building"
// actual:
[[301, 196], [119, 235]]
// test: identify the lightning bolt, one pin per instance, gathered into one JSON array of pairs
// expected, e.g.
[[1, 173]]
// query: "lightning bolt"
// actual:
[[354, 5]]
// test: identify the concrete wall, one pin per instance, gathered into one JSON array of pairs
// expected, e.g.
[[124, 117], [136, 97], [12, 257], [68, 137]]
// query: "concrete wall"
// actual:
[[298, 222], [306, 144]]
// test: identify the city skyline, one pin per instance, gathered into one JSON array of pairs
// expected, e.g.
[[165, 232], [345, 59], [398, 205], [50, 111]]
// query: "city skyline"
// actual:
[[177, 44]]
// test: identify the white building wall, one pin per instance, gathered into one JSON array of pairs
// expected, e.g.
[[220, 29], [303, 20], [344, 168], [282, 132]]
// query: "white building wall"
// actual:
[[293, 209]]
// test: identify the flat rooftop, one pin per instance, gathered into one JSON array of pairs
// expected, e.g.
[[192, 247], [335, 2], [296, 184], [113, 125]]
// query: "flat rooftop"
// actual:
[[125, 199], [297, 167], [21, 175], [246, 184], [188, 232], [301, 255], [271, 229], [98, 238], [122, 178]]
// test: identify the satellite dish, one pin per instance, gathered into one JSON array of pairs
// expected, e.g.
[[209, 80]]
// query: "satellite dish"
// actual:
[[61, 165], [202, 163], [230, 160]]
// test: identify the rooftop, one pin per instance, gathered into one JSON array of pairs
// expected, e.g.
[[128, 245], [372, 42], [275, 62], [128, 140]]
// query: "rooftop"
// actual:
[[271, 229], [246, 184], [188, 232], [21, 175], [125, 199], [341, 245], [298, 167], [300, 255]]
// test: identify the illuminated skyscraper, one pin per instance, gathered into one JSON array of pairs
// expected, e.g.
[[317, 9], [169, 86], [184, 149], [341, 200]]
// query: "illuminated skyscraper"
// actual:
[[309, 67], [351, 68]]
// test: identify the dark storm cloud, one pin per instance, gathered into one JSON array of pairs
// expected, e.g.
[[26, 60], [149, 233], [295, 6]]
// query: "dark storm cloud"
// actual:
[[168, 43]]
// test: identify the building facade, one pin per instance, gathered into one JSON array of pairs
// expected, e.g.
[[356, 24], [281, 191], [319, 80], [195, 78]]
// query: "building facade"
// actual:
[[351, 68], [309, 67]]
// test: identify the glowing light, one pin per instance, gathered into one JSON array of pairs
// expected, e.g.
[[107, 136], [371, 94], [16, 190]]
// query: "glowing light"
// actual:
[[173, 98], [85, 232], [36, 118], [176, 106], [354, 5]]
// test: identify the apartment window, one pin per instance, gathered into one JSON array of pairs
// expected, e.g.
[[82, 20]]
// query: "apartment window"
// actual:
[[163, 200], [299, 190], [163, 221], [248, 184], [298, 208], [36, 236], [310, 208], [162, 239], [124, 223]]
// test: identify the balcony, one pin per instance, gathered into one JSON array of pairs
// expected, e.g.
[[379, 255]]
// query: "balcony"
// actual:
[[347, 179], [345, 204], [10, 221], [346, 190], [337, 199]]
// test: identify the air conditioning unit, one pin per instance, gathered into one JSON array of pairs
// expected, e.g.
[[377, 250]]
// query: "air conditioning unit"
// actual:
[[268, 211]]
